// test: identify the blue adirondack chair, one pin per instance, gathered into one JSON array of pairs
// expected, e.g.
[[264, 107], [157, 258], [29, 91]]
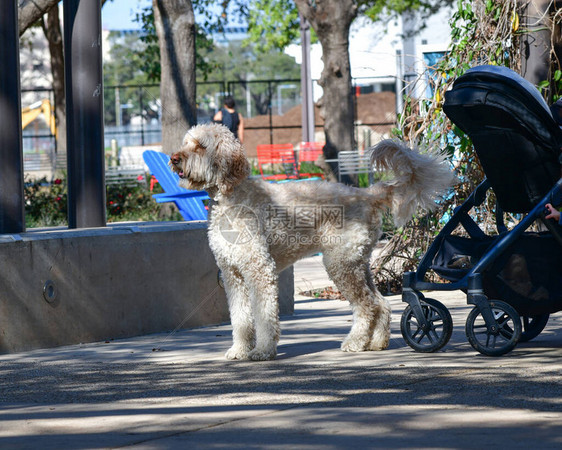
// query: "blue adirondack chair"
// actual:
[[189, 203]]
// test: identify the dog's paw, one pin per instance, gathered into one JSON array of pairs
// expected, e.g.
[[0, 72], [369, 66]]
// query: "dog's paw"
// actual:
[[353, 345], [376, 347], [379, 342], [238, 352], [263, 354]]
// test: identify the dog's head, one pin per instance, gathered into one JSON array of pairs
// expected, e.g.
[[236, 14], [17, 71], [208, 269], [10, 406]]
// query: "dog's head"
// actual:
[[210, 159]]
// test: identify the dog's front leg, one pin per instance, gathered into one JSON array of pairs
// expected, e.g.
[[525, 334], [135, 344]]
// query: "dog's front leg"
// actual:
[[241, 318], [264, 292]]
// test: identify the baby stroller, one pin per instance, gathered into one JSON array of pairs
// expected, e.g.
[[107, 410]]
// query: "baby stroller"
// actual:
[[513, 279]]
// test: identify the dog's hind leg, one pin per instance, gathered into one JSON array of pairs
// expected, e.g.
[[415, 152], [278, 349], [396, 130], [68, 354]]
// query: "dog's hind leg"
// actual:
[[381, 332], [370, 311], [240, 308]]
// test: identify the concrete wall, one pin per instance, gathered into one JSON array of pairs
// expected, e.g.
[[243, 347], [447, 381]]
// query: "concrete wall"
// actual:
[[60, 287]]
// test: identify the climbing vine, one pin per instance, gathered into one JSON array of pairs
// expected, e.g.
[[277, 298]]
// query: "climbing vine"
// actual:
[[482, 32]]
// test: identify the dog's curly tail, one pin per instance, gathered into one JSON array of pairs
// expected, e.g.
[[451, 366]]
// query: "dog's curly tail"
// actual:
[[418, 179]]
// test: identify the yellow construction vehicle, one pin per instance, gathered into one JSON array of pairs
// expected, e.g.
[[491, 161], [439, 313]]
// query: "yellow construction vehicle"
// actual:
[[44, 107]]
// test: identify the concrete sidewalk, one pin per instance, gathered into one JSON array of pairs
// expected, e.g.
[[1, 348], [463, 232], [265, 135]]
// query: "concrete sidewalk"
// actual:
[[176, 390]]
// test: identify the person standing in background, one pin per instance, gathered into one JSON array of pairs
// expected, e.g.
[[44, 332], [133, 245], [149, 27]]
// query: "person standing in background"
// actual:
[[230, 118]]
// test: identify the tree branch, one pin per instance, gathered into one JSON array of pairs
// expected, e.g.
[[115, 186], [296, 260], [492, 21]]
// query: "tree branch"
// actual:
[[30, 11]]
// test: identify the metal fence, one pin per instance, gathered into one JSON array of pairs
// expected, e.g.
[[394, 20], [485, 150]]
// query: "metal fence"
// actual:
[[271, 111], [39, 143]]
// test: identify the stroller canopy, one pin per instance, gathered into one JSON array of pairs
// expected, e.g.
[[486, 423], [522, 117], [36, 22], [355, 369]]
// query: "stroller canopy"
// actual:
[[513, 131]]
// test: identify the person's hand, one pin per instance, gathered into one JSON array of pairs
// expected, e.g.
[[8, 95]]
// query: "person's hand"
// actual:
[[553, 213]]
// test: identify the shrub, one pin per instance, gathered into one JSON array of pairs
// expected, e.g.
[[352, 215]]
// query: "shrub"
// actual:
[[46, 203]]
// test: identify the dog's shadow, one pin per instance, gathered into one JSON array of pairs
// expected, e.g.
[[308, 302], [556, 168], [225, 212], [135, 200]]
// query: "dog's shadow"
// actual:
[[292, 350], [302, 348]]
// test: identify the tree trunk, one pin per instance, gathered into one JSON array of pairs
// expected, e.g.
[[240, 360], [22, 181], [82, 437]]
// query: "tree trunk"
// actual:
[[175, 26], [535, 48], [331, 20], [52, 30]]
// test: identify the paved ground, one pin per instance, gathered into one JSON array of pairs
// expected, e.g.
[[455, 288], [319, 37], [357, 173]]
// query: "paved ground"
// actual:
[[177, 391]]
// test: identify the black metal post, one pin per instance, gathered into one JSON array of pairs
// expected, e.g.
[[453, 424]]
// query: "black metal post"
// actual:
[[84, 113], [12, 209]]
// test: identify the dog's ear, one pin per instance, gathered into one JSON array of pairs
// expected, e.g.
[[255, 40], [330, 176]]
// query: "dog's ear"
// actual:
[[192, 143], [235, 169]]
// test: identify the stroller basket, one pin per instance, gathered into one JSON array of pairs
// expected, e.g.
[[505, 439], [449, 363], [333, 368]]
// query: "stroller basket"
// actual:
[[528, 276]]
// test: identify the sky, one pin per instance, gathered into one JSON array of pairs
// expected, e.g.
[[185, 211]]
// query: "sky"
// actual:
[[120, 14]]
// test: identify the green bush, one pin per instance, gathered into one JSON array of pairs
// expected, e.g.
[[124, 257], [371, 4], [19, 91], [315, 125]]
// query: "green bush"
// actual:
[[46, 203], [131, 203]]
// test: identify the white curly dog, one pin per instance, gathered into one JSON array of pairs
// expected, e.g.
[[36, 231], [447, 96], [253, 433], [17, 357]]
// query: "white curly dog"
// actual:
[[257, 229]]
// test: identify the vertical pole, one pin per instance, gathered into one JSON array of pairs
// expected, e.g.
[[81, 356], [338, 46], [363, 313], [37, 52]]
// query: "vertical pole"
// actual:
[[399, 86], [270, 112], [117, 107], [12, 216], [248, 101], [306, 84], [409, 58], [84, 113], [141, 116]]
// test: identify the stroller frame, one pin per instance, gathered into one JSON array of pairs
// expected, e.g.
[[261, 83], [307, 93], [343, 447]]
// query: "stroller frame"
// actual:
[[493, 327], [471, 283]]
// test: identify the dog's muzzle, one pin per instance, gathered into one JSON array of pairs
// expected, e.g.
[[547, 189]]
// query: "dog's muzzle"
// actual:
[[175, 160]]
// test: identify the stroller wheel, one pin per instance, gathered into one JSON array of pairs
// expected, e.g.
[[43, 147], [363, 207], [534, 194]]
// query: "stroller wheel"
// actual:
[[533, 326], [496, 342], [438, 330]]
